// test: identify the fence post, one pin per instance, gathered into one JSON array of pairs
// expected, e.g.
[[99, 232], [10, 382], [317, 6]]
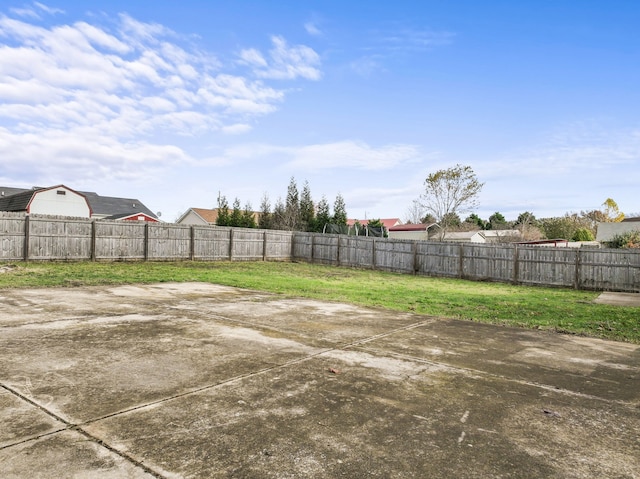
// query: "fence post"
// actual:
[[373, 253], [192, 242], [338, 249], [313, 237], [414, 250], [577, 278], [461, 261], [264, 245], [93, 240], [230, 244], [146, 241], [27, 228], [516, 264]]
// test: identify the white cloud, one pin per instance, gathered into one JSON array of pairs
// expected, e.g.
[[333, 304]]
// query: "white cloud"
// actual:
[[352, 154], [312, 29], [285, 62], [83, 99]]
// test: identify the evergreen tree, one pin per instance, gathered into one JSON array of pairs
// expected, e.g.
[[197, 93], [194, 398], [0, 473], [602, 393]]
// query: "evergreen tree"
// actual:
[[323, 216], [224, 217], [248, 220], [292, 207], [236, 214], [339, 211], [279, 213], [307, 210], [265, 221]]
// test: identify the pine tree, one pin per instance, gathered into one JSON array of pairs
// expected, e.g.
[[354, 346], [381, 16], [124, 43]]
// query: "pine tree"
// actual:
[[323, 217], [265, 221], [248, 220], [223, 212], [236, 214], [307, 213], [279, 222], [339, 211], [292, 207]]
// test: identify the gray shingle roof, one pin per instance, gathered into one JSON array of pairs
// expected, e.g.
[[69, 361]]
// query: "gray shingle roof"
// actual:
[[17, 201]]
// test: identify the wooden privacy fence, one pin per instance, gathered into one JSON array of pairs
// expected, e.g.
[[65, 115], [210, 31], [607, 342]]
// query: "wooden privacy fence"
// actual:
[[62, 238]]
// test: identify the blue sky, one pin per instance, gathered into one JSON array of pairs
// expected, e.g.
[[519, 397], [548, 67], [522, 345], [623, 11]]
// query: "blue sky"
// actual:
[[174, 102]]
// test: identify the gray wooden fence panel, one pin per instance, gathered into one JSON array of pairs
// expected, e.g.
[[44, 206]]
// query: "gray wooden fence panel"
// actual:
[[547, 266], [168, 242], [119, 240], [210, 243], [326, 248], [302, 248], [438, 259], [248, 244], [609, 270], [357, 251], [394, 255], [12, 228], [59, 238], [278, 245], [487, 262]]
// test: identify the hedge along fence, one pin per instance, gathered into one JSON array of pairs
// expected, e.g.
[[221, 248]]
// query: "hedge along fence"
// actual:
[[61, 238]]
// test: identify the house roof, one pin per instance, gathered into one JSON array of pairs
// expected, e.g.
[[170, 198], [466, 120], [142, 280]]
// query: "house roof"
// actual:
[[386, 222], [110, 205], [210, 216], [633, 218], [412, 227], [130, 215]]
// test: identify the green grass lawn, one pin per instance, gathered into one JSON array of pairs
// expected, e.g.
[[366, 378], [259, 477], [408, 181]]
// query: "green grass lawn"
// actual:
[[563, 310]]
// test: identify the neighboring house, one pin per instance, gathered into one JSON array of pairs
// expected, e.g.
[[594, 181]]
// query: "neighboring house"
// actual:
[[63, 201], [56, 200], [198, 216], [203, 216], [607, 231], [461, 236], [411, 231], [501, 236]]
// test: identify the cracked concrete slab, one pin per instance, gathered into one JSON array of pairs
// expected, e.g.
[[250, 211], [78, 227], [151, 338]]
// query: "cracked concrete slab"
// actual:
[[199, 380]]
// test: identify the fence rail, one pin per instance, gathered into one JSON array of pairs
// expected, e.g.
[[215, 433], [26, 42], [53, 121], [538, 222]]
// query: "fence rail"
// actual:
[[38, 237]]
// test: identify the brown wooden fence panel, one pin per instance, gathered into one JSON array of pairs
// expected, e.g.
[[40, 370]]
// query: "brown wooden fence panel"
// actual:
[[12, 228], [119, 240], [59, 238]]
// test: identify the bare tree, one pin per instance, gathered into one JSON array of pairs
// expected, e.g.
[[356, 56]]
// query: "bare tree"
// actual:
[[450, 192]]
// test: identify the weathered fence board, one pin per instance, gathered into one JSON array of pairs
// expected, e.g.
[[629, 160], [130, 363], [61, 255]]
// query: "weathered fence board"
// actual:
[[61, 238], [55, 238], [119, 240], [12, 235]]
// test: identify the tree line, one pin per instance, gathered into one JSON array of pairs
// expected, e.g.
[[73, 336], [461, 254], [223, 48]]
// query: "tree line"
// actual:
[[298, 212], [453, 191]]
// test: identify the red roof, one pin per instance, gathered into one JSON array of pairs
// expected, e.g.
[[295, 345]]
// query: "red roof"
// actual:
[[386, 222]]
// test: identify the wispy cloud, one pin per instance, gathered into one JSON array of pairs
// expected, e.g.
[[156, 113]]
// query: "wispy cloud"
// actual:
[[284, 62], [312, 29], [78, 98], [347, 154]]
